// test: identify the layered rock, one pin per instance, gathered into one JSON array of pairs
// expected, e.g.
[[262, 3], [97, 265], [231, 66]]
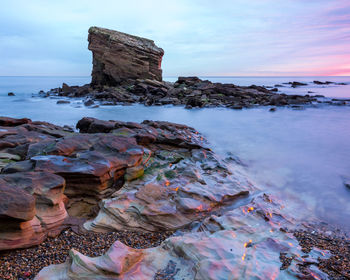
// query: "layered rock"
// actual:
[[152, 176], [31, 207], [176, 183], [127, 69], [118, 57], [248, 242]]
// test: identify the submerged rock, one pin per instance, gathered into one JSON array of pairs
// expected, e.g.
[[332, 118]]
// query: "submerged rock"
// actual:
[[119, 56]]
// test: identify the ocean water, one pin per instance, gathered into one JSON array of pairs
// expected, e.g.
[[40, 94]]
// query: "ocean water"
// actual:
[[300, 155]]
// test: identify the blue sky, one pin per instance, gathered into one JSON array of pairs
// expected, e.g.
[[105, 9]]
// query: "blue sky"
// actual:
[[255, 37]]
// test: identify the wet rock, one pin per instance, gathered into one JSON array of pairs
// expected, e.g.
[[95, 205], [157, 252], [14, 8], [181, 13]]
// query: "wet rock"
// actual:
[[176, 188], [322, 83], [229, 246], [119, 56], [62, 102], [297, 84], [89, 102], [347, 183], [278, 100], [65, 88]]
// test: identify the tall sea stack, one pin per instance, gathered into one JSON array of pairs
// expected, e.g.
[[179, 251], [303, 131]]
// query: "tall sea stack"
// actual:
[[118, 57]]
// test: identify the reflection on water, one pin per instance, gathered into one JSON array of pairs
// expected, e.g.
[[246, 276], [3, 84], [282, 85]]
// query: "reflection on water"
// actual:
[[299, 155]]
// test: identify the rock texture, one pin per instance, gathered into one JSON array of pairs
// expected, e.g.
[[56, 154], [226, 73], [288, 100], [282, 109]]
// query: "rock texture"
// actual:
[[118, 57], [31, 207], [149, 176], [248, 242]]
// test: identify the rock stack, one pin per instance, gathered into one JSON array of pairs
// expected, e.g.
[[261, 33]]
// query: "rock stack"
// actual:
[[119, 56]]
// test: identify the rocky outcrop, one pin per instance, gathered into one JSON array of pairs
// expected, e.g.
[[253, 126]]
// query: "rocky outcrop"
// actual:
[[127, 69], [149, 176], [190, 92], [31, 207], [118, 57], [248, 242]]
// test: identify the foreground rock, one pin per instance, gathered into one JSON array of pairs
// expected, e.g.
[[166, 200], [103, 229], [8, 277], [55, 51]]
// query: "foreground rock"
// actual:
[[249, 242], [119, 56], [31, 207], [153, 176]]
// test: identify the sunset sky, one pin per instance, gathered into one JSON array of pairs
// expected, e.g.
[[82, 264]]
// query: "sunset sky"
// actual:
[[200, 37]]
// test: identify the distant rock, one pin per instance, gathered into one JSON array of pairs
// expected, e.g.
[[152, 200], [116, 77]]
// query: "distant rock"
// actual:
[[66, 88], [62, 102], [11, 94], [296, 84], [347, 183], [118, 57], [322, 83], [89, 102]]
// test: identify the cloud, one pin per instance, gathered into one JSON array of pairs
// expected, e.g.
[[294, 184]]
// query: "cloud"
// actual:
[[228, 37]]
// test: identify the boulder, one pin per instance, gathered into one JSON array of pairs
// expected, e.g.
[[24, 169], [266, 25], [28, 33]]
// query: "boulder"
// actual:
[[31, 207], [118, 57]]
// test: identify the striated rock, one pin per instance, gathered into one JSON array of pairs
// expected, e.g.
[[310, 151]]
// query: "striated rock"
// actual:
[[243, 243], [127, 69], [153, 175], [119, 56], [6, 121], [177, 187], [90, 163], [31, 207]]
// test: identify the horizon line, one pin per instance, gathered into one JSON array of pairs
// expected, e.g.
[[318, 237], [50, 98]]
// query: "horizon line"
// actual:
[[204, 76]]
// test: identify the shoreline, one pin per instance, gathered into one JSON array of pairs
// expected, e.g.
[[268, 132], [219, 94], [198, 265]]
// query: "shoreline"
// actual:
[[174, 148], [190, 92], [333, 245]]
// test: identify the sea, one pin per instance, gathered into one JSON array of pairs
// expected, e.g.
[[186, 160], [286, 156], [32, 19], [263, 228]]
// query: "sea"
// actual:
[[300, 156]]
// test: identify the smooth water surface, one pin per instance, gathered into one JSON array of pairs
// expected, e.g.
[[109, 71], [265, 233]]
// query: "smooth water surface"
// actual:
[[301, 155]]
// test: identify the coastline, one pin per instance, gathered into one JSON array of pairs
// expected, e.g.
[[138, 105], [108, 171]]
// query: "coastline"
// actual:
[[263, 209], [192, 92]]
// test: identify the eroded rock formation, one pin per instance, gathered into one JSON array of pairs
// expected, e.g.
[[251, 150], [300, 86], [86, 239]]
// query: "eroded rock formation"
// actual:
[[127, 69], [118, 57], [149, 176], [243, 243], [31, 207]]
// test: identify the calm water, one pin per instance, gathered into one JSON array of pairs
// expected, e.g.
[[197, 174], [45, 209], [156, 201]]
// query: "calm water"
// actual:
[[303, 156]]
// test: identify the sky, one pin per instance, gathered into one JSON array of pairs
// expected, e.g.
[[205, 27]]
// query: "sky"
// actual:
[[199, 37]]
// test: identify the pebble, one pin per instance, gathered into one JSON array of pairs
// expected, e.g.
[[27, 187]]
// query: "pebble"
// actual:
[[337, 267], [26, 263]]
